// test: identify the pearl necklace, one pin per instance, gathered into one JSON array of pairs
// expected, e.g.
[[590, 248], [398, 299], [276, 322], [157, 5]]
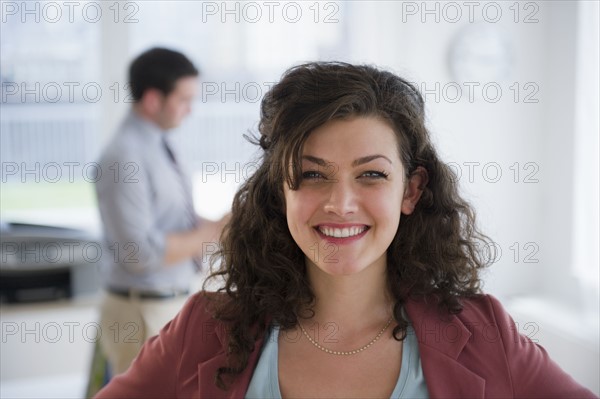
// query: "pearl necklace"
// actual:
[[346, 353]]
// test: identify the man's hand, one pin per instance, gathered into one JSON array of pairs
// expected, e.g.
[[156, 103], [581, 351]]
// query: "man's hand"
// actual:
[[188, 244]]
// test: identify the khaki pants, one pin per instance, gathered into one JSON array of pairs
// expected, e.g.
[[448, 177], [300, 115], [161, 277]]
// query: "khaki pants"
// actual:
[[127, 323]]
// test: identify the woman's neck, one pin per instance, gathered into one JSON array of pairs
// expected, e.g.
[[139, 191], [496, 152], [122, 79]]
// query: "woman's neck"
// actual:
[[352, 300]]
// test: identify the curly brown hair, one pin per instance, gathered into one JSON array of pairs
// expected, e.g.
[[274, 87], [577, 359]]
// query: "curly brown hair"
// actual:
[[435, 250]]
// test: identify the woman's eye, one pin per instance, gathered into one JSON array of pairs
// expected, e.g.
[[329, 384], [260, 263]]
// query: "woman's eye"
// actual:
[[311, 175], [373, 174]]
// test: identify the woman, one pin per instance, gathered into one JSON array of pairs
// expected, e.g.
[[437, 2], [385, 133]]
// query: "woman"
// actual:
[[349, 267]]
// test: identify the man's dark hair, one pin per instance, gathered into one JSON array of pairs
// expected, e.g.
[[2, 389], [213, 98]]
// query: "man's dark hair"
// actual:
[[158, 68]]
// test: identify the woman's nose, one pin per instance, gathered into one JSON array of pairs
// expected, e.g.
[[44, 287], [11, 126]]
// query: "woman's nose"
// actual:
[[341, 199]]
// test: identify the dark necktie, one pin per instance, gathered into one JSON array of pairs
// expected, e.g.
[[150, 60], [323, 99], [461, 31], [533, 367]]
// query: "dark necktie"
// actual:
[[187, 191]]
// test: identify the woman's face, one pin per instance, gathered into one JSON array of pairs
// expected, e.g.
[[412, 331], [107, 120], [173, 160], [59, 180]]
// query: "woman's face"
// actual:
[[347, 208]]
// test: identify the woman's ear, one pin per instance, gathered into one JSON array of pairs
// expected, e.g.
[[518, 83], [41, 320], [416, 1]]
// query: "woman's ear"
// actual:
[[414, 188]]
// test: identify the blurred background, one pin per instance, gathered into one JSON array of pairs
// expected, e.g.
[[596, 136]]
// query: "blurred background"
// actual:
[[511, 90]]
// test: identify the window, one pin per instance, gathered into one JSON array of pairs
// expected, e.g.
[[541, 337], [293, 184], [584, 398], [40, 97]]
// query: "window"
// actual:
[[50, 95]]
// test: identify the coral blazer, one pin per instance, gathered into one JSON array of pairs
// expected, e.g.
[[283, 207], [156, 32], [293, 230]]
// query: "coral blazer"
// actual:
[[475, 354]]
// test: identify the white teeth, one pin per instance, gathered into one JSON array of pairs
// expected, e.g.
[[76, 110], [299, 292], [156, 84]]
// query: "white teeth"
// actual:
[[342, 233]]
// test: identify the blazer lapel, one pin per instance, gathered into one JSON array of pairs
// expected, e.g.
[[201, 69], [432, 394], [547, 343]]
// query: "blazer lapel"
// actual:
[[441, 341]]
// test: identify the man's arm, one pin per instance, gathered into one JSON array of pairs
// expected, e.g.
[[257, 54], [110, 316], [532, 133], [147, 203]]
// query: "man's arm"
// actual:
[[182, 246]]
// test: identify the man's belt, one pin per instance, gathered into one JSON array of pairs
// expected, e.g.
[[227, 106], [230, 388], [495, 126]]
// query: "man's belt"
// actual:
[[146, 294]]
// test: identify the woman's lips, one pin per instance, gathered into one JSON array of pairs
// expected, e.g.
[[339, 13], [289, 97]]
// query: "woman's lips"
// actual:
[[342, 234]]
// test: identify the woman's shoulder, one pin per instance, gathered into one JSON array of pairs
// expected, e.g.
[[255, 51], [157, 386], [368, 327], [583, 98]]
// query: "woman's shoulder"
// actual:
[[484, 304], [483, 309], [200, 306], [196, 318], [204, 297], [195, 333]]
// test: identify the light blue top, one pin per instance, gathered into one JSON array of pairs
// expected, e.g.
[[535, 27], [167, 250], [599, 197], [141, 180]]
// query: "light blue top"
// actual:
[[142, 197], [265, 381]]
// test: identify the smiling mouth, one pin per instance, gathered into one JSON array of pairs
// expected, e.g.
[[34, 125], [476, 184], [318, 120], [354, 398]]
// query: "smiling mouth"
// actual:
[[343, 232]]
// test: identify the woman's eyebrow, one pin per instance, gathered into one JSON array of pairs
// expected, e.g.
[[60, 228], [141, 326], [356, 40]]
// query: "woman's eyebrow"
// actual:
[[369, 158], [356, 162], [316, 160]]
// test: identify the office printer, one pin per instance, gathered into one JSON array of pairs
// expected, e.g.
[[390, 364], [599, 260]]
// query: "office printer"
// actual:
[[39, 263]]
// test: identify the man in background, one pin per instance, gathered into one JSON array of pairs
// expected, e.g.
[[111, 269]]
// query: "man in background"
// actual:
[[153, 238]]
